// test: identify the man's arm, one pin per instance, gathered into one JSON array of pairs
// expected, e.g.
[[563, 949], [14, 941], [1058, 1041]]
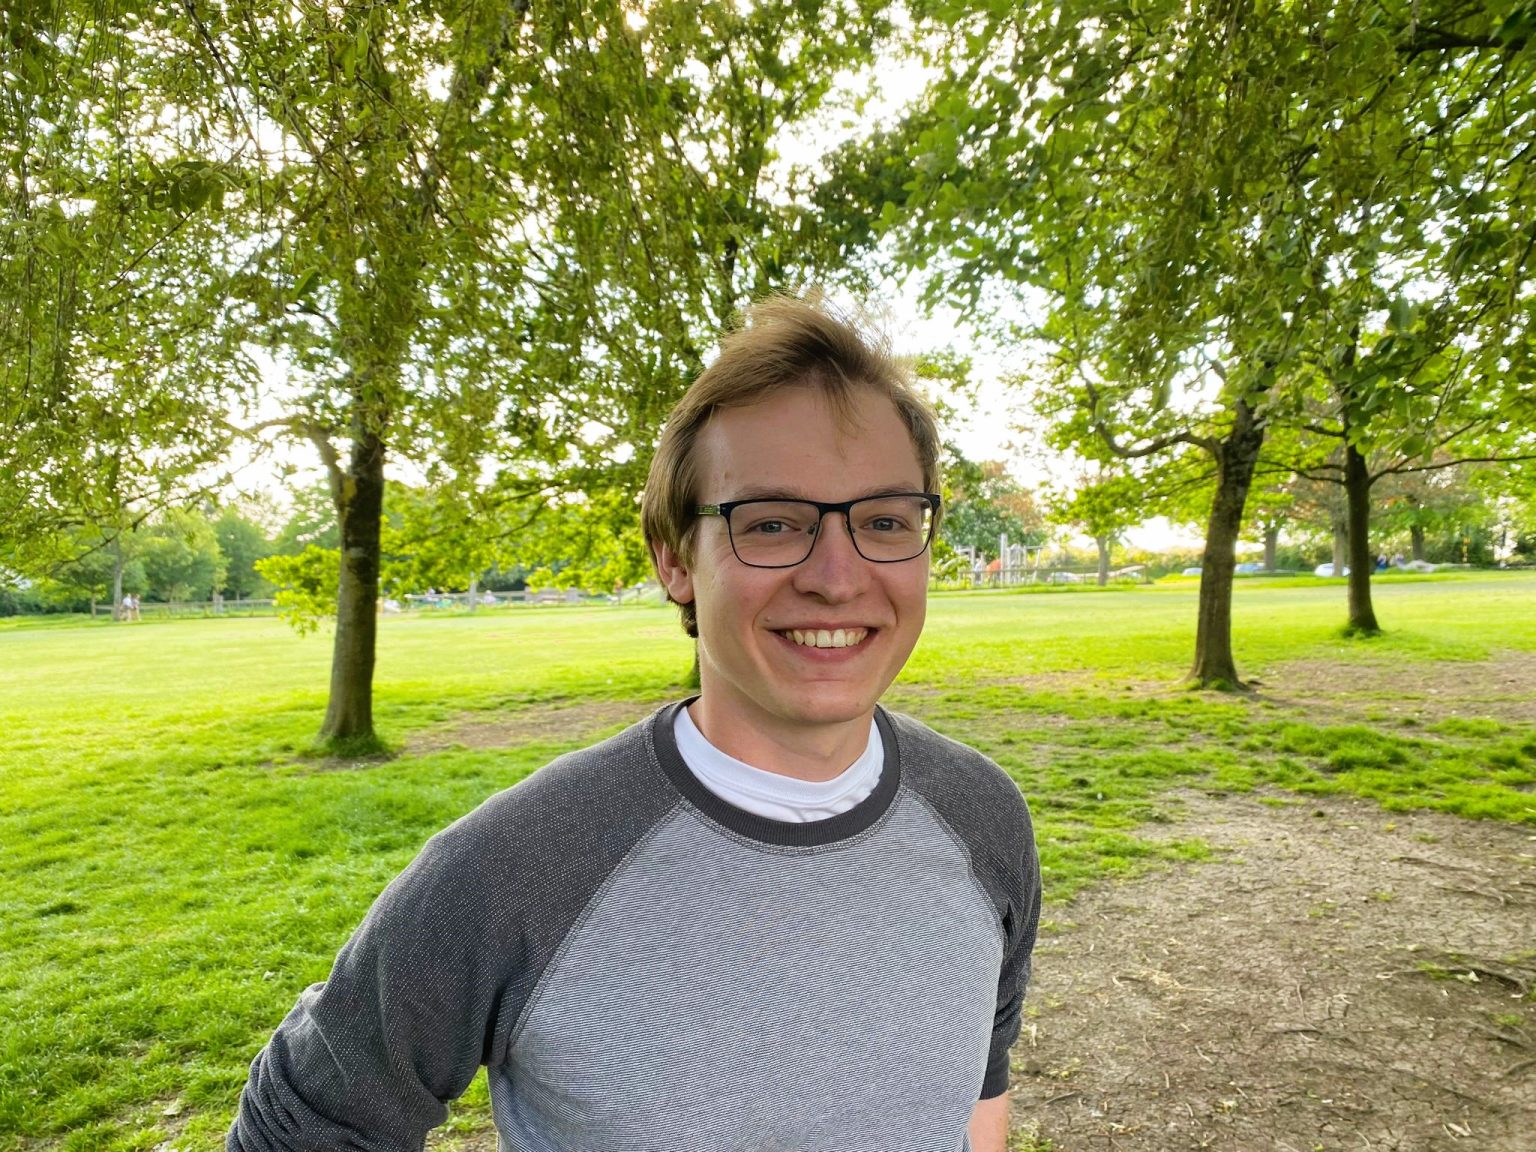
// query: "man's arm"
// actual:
[[989, 1125], [369, 1058]]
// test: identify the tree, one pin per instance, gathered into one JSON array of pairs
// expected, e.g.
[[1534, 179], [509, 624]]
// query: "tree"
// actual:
[[1216, 201], [181, 556], [1319, 513], [1431, 392], [243, 543], [432, 538], [1279, 497], [116, 377], [1103, 505], [305, 585], [593, 543], [97, 566], [1424, 504], [378, 148], [985, 504], [490, 238]]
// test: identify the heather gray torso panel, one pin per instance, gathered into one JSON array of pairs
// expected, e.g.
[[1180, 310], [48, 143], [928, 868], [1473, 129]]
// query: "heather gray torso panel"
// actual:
[[724, 993]]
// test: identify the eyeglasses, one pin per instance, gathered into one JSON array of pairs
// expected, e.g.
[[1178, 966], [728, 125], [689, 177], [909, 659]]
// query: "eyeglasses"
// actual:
[[781, 533]]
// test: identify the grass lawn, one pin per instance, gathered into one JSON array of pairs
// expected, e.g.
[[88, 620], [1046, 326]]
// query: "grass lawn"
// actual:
[[174, 869]]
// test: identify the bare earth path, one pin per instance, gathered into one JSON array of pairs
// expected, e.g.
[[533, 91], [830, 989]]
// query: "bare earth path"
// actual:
[[1338, 977]]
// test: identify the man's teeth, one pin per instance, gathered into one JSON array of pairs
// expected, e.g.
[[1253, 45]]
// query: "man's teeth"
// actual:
[[821, 638]]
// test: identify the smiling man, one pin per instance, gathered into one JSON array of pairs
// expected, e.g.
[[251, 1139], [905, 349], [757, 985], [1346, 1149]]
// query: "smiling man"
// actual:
[[773, 917]]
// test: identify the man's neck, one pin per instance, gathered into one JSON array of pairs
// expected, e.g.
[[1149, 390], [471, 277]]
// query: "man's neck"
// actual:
[[816, 752]]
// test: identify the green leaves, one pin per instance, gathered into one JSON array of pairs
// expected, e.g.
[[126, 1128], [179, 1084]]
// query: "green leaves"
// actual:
[[306, 585], [185, 186], [116, 380], [1517, 27]]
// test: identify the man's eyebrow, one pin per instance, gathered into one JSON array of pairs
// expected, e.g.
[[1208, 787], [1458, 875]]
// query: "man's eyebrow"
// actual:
[[764, 493]]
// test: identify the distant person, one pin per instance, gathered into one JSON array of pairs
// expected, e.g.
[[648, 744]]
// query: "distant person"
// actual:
[[771, 916], [130, 607]]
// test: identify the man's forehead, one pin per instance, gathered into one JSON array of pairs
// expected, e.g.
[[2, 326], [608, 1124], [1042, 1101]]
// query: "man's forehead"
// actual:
[[805, 426], [853, 412]]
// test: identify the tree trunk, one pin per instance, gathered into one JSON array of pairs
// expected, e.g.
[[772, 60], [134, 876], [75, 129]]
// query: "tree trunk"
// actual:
[[1104, 543], [117, 580], [1357, 496], [474, 591], [1236, 456], [359, 496], [1271, 546], [1416, 534], [1340, 544]]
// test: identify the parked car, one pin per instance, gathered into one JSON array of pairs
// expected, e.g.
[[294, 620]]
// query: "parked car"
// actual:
[[1327, 570], [1248, 568], [1195, 571]]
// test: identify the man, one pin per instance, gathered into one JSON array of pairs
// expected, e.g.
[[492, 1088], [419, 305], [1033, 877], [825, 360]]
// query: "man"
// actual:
[[774, 917]]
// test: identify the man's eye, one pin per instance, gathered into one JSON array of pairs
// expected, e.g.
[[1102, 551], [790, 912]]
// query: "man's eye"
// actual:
[[768, 527], [886, 524]]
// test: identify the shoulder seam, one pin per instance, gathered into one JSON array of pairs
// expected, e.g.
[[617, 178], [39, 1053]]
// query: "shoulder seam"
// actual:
[[581, 918], [970, 863]]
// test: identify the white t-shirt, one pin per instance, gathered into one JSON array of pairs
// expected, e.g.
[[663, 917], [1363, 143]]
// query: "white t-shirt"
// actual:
[[772, 794]]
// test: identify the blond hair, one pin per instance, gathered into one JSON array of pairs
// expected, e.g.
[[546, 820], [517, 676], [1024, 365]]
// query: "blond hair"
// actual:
[[780, 342]]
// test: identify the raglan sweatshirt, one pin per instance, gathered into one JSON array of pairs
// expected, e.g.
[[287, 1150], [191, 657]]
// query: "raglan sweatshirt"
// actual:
[[645, 968]]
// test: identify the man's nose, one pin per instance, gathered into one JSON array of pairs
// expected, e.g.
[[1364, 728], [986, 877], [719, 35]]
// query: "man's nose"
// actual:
[[834, 570]]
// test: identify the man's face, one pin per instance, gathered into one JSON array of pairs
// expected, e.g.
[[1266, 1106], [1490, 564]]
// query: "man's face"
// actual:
[[755, 678]]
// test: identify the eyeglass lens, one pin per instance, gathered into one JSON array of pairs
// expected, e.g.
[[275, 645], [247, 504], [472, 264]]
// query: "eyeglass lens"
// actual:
[[780, 533]]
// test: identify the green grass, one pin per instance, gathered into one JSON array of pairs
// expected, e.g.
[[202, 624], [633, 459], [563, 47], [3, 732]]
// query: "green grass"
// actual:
[[175, 866]]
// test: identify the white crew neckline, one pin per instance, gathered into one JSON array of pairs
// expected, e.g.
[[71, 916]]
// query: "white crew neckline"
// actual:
[[772, 794]]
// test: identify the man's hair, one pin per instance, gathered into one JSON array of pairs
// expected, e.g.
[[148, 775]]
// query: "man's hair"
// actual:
[[780, 342]]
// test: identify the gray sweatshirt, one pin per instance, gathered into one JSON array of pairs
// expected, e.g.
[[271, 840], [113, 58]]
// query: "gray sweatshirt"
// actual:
[[645, 968]]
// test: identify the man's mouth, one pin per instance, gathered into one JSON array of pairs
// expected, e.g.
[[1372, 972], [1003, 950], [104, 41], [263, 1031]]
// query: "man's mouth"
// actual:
[[826, 638]]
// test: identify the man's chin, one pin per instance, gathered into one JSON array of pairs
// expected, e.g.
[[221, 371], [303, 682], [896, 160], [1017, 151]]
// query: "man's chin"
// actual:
[[826, 709]]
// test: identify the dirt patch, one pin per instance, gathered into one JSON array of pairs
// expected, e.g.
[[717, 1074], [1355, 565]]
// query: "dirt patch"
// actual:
[[1496, 689], [1337, 977], [557, 722]]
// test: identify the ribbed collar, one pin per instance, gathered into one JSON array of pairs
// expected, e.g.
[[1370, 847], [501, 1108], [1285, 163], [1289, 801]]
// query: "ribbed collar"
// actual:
[[816, 832]]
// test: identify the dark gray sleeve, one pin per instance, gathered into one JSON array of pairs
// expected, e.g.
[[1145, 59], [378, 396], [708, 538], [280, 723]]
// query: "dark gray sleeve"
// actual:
[[367, 1059], [1021, 922], [983, 807], [431, 984]]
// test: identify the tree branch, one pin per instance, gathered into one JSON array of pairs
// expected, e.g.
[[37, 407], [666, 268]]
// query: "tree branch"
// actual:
[[1150, 447], [1438, 465], [1428, 39]]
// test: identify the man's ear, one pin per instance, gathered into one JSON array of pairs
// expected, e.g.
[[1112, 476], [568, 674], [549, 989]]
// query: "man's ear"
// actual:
[[674, 573]]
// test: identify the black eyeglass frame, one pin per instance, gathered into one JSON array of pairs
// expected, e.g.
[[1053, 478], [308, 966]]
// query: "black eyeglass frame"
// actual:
[[824, 508]]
